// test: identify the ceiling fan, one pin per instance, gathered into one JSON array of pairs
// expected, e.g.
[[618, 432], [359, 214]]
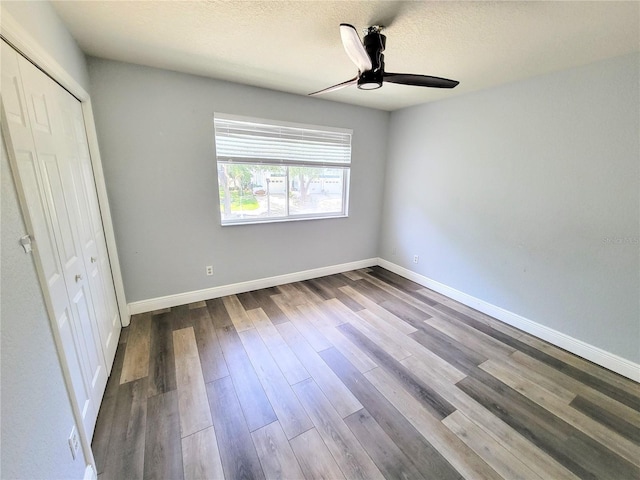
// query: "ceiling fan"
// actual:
[[368, 57]]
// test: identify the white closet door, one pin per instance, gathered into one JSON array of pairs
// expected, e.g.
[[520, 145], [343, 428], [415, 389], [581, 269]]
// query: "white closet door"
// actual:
[[42, 161], [92, 241], [20, 141]]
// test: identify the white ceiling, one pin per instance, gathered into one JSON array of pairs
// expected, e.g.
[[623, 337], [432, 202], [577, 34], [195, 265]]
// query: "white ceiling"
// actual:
[[294, 46]]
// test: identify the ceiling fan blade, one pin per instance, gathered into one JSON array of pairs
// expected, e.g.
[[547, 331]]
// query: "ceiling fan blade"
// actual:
[[354, 48], [353, 81], [419, 80]]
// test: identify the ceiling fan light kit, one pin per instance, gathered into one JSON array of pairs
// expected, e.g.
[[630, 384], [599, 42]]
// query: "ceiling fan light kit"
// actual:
[[369, 59], [370, 81]]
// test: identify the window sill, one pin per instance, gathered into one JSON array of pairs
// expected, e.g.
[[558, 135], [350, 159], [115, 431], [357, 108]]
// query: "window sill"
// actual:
[[234, 223]]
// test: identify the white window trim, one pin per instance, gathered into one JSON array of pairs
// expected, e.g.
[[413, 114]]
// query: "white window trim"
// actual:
[[346, 167]]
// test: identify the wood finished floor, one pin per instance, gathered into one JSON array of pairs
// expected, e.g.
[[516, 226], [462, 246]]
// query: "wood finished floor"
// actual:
[[358, 375]]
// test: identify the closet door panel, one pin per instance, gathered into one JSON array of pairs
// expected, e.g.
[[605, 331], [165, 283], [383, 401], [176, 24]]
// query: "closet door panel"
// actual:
[[44, 240], [55, 153], [92, 242], [75, 359], [68, 248], [83, 322]]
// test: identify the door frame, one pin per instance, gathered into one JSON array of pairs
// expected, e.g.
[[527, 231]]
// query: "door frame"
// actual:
[[22, 41]]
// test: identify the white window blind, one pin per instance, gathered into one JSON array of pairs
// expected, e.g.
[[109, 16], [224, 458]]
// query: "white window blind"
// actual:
[[272, 171], [258, 142]]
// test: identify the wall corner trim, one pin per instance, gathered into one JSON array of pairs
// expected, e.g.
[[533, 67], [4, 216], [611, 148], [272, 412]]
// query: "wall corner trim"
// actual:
[[585, 350], [158, 303]]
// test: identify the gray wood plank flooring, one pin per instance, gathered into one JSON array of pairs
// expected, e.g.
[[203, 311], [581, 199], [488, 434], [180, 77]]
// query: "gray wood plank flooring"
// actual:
[[363, 374]]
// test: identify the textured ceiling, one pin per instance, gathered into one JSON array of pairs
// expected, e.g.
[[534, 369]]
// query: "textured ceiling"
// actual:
[[294, 46]]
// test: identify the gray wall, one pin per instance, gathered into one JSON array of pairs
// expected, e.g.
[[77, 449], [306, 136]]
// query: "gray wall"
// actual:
[[155, 129], [527, 196], [35, 412]]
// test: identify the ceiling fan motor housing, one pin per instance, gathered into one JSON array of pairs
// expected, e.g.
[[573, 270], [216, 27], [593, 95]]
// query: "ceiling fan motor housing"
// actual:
[[374, 43]]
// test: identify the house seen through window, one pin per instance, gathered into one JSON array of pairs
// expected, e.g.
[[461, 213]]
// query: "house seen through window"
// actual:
[[274, 171]]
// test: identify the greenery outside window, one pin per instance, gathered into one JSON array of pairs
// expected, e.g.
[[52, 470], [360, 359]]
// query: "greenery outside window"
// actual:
[[272, 171]]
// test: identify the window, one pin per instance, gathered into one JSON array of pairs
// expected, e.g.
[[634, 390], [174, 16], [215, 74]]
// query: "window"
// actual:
[[273, 171]]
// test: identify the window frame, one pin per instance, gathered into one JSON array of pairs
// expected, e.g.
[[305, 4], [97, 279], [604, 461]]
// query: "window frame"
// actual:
[[345, 168]]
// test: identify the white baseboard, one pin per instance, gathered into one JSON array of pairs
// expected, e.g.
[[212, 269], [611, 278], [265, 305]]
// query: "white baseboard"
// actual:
[[585, 350], [232, 289]]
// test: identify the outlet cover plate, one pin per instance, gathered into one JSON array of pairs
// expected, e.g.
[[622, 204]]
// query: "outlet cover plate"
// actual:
[[74, 442]]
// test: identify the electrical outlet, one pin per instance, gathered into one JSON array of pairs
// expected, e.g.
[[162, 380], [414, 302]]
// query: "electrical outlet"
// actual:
[[209, 270], [394, 251], [416, 259], [74, 442]]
